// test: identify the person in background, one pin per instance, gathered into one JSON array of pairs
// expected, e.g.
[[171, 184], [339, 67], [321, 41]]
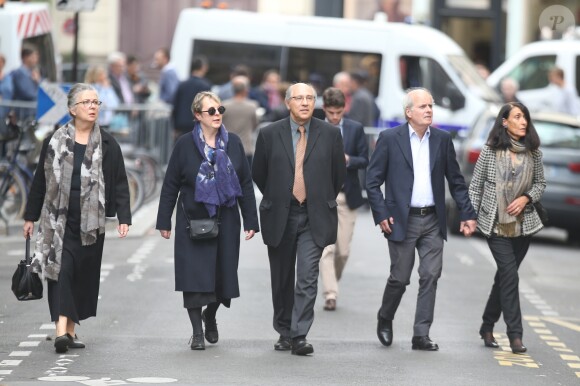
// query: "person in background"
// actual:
[[299, 167], [208, 176], [482, 70], [226, 90], [138, 80], [508, 178], [242, 118], [508, 88], [413, 161], [186, 92], [362, 104], [97, 77], [356, 156], [72, 205], [560, 96], [168, 80], [25, 81], [6, 87], [266, 94], [342, 81], [118, 78]]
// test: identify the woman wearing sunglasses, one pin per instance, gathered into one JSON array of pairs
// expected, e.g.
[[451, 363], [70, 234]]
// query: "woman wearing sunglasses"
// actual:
[[71, 206], [207, 176]]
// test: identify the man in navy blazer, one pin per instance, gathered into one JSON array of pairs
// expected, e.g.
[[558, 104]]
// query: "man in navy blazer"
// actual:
[[413, 160], [296, 230], [356, 155]]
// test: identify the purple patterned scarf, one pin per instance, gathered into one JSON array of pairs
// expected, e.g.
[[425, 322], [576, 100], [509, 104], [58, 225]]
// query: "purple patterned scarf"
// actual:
[[217, 183]]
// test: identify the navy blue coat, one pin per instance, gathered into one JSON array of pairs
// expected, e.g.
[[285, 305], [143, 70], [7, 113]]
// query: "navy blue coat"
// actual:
[[196, 262], [392, 164], [357, 148]]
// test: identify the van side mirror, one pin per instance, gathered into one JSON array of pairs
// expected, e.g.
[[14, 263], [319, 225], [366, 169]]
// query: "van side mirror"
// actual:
[[456, 99]]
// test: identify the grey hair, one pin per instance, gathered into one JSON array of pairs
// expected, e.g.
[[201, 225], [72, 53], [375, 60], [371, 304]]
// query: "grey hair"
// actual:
[[76, 90], [408, 101], [289, 90], [199, 97], [115, 56]]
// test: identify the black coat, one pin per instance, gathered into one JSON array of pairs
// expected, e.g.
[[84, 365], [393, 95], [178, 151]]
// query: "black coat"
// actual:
[[116, 186], [357, 148], [196, 262], [324, 173]]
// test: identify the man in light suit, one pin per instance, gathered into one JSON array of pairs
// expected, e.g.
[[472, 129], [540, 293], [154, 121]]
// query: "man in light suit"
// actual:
[[413, 160], [356, 155], [298, 215]]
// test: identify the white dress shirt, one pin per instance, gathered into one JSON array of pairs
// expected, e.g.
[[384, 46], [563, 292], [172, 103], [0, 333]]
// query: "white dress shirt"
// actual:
[[422, 191]]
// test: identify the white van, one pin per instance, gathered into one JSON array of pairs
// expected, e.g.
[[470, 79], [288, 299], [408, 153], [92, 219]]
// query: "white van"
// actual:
[[531, 64], [395, 55], [23, 24]]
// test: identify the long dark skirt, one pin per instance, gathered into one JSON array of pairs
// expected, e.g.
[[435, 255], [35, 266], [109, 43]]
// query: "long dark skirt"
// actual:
[[76, 292]]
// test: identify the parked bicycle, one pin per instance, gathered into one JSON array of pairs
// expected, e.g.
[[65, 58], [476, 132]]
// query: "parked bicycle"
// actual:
[[15, 175]]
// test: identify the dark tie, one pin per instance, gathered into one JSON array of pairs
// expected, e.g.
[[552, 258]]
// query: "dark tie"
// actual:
[[299, 189]]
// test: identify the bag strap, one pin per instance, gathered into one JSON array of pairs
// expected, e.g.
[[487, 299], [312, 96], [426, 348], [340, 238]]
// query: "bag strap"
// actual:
[[187, 217], [27, 253]]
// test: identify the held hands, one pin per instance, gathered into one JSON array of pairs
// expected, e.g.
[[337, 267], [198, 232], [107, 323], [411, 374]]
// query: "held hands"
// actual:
[[386, 225], [250, 234], [467, 227], [165, 234], [517, 206], [28, 229], [123, 229]]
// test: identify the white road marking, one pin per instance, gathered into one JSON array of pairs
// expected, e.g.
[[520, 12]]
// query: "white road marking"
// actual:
[[10, 362], [20, 353], [48, 326], [28, 344]]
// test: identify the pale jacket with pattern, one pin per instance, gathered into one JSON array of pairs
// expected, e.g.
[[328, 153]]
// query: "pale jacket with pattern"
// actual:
[[483, 195]]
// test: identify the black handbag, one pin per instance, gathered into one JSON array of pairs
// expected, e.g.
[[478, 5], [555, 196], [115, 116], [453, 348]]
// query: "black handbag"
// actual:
[[541, 211], [205, 228], [26, 284]]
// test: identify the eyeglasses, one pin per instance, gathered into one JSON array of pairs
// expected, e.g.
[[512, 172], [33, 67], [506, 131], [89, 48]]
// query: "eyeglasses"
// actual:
[[213, 110], [88, 103], [300, 98]]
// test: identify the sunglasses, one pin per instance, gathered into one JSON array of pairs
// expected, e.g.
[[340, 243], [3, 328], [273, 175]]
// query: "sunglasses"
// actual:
[[212, 110]]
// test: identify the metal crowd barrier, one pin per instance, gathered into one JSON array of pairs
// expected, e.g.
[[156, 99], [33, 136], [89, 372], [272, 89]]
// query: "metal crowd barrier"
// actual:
[[144, 126]]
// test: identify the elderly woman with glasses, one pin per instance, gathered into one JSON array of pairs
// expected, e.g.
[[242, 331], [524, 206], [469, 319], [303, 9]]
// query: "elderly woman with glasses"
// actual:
[[208, 176], [80, 179]]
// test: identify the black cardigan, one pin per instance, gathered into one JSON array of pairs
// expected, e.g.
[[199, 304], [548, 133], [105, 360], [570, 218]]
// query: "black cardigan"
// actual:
[[116, 185]]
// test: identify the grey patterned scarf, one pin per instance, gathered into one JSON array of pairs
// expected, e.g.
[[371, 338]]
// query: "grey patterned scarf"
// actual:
[[514, 168], [58, 168]]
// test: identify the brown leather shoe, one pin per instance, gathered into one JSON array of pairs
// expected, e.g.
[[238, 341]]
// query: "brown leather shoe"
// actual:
[[330, 305], [488, 339], [517, 346]]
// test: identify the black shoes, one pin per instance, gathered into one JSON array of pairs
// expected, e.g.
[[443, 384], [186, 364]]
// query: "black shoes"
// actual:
[[424, 343], [330, 305], [384, 330], [517, 346], [62, 343], [75, 342], [300, 346], [488, 339], [211, 331], [197, 342], [283, 344]]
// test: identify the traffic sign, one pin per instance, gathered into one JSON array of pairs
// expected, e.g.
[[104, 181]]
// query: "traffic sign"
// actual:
[[76, 5], [52, 106]]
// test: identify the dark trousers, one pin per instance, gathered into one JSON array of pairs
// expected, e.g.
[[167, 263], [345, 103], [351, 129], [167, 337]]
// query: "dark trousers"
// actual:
[[424, 235], [295, 259], [505, 297]]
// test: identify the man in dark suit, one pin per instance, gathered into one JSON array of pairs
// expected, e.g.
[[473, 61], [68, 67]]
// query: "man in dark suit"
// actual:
[[413, 160], [356, 156], [186, 91], [299, 167]]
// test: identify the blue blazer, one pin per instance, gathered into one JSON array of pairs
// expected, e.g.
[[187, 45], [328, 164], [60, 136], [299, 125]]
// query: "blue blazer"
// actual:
[[357, 148], [392, 164]]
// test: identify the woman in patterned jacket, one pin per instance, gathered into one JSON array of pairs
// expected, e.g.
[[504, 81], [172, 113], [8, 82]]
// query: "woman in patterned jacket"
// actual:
[[508, 178]]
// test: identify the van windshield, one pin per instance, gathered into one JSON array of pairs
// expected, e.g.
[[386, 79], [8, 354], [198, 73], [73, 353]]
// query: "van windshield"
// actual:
[[468, 74]]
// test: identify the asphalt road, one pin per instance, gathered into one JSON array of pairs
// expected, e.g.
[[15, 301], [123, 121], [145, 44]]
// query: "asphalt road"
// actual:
[[141, 332]]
